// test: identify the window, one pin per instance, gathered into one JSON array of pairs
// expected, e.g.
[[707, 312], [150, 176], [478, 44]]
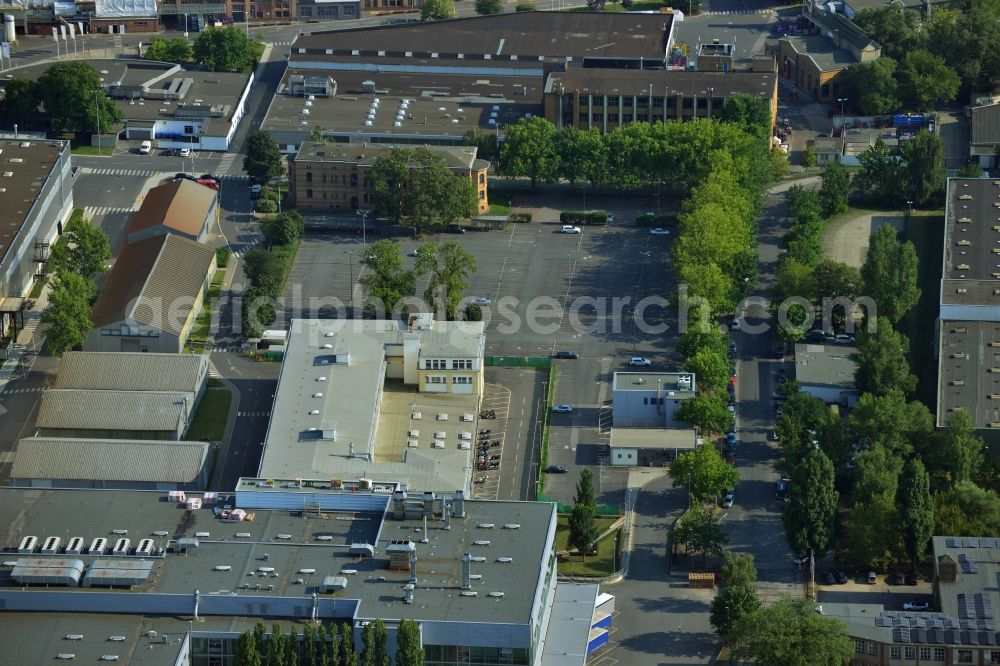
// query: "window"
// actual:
[[462, 364], [965, 656], [939, 654], [859, 646], [309, 177], [910, 652], [925, 653], [994, 657], [583, 116], [189, 129], [873, 649], [482, 195], [461, 379], [434, 379], [309, 194], [895, 653], [354, 180]]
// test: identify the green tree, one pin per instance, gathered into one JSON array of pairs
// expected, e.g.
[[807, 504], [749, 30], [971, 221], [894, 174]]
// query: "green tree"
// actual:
[[701, 533], [890, 274], [375, 638], [264, 271], [448, 267], [703, 472], [972, 170], [802, 416], [388, 281], [174, 50], [437, 9], [309, 645], [871, 86], [436, 194], [889, 420], [967, 40], [708, 413], [246, 650], [833, 279], [585, 493], [968, 510], [292, 648], [276, 647], [73, 97], [348, 657], [808, 158], [333, 648], [525, 7], [924, 156], [284, 229], [487, 7], [836, 185], [67, 317], [488, 148], [263, 158], [964, 450], [916, 510], [737, 597], [409, 652], [83, 248], [583, 155], [882, 177], [582, 528], [19, 105], [791, 633], [871, 524], [896, 29], [881, 361], [750, 112], [812, 506], [925, 81], [710, 368], [700, 336], [389, 177], [529, 150], [226, 49], [259, 638]]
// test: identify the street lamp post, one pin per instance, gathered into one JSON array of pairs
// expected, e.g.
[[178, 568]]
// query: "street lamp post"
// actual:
[[363, 212], [97, 107], [909, 210]]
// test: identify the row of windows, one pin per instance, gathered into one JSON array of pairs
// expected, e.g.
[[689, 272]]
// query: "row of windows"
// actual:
[[598, 103], [131, 331], [341, 196], [653, 401], [438, 379], [910, 652], [336, 179], [445, 364], [447, 655]]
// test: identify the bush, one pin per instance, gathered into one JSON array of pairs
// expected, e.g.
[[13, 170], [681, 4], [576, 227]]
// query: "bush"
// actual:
[[520, 217], [649, 220], [222, 257], [473, 312], [590, 217], [524, 7]]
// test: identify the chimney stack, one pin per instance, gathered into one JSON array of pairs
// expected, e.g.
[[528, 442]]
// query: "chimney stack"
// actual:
[[466, 571], [399, 504]]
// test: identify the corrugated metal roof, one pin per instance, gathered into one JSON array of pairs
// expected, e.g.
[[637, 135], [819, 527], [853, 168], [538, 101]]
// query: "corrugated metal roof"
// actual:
[[131, 371], [113, 410], [180, 205], [986, 125], [110, 460], [153, 282]]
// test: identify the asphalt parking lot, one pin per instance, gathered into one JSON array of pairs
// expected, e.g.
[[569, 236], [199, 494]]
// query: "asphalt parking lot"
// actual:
[[550, 292]]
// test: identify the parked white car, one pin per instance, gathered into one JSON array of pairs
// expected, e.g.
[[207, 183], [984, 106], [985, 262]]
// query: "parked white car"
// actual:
[[145, 147], [570, 229], [640, 362], [658, 232], [482, 300], [562, 409], [184, 152]]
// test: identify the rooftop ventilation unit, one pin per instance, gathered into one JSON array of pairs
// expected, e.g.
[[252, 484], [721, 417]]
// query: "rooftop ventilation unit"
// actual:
[[145, 547], [51, 545], [121, 546], [28, 544], [75, 546], [74, 637], [98, 546]]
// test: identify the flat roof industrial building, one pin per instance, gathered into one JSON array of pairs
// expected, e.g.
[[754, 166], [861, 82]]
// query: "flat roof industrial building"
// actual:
[[474, 574], [969, 316]]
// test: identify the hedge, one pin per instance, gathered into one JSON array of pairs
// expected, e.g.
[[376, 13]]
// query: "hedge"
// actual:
[[520, 217], [584, 217], [648, 220]]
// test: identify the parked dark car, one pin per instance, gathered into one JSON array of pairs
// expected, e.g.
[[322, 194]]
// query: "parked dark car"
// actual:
[[841, 578], [185, 176], [556, 469], [911, 579], [454, 229], [815, 335], [566, 354], [778, 351], [782, 490], [897, 579], [829, 578]]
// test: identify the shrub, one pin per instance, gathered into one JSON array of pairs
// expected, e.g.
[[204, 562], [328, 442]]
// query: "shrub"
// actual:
[[589, 217], [222, 257], [524, 7], [520, 217], [473, 312], [650, 220]]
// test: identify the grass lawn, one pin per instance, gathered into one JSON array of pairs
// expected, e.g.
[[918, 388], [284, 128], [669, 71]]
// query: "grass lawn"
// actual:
[[926, 231], [601, 564], [36, 289], [499, 204], [92, 150], [213, 412]]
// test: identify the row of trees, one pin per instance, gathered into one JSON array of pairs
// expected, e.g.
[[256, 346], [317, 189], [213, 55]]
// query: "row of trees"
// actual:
[[226, 49], [675, 155], [266, 268], [447, 268], [915, 174], [417, 185], [320, 645], [71, 94], [925, 62], [77, 258]]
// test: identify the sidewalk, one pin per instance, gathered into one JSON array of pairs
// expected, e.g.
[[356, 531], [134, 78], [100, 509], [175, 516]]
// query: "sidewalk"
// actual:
[[25, 345]]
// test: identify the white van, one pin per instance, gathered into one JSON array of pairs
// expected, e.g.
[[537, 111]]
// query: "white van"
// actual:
[[145, 147]]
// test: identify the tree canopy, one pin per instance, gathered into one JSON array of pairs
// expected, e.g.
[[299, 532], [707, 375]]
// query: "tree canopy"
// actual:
[[448, 267], [811, 509], [19, 104], [172, 50], [67, 317], [881, 360], [388, 281], [703, 472], [890, 274], [82, 249], [437, 9], [263, 158], [529, 150], [73, 96], [791, 633], [226, 49]]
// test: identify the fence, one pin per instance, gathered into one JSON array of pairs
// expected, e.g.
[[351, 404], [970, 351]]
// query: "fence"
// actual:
[[518, 361]]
